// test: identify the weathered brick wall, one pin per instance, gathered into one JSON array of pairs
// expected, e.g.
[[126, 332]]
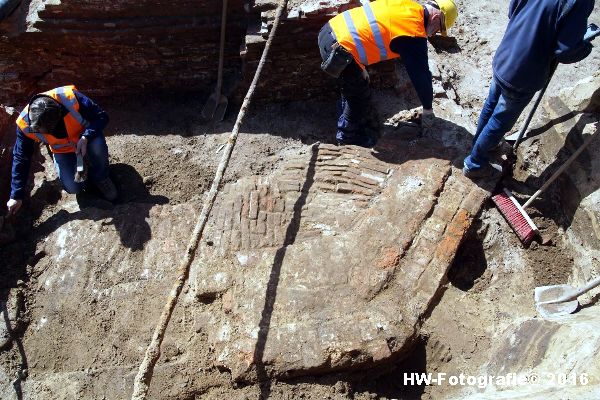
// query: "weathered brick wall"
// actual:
[[110, 46]]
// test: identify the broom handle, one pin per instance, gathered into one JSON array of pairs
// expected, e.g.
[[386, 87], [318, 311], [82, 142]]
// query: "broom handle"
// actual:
[[562, 168], [589, 286], [535, 106]]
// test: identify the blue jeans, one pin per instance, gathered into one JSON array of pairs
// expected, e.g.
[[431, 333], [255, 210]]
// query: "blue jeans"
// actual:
[[66, 165], [498, 115]]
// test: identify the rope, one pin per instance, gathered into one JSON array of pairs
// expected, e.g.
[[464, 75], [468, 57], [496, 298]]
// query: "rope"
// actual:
[[144, 376]]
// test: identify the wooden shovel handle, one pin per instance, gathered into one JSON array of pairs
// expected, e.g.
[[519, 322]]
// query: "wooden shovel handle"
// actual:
[[221, 49]]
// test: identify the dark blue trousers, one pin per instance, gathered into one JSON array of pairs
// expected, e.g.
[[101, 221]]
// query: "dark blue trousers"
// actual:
[[355, 91]]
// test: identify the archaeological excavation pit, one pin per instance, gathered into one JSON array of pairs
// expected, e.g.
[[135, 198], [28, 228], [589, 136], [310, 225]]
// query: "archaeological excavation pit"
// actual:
[[324, 271]]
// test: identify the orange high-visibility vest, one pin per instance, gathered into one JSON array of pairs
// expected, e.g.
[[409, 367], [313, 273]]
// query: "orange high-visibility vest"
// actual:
[[74, 122], [367, 31]]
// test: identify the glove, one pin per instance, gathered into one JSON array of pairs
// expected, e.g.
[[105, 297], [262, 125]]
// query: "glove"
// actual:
[[427, 118], [82, 146], [591, 33], [13, 206], [365, 75]]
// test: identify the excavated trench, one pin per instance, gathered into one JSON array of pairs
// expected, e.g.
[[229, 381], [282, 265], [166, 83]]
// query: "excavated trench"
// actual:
[[147, 181], [83, 280], [175, 173]]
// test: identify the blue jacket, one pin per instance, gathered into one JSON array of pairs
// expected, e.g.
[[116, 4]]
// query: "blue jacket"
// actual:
[[24, 146], [540, 32]]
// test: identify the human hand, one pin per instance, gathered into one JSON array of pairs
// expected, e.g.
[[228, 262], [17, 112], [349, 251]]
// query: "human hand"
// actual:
[[82, 146], [13, 206]]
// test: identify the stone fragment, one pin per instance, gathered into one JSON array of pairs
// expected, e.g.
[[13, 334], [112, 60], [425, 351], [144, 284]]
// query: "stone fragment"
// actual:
[[253, 209], [584, 96]]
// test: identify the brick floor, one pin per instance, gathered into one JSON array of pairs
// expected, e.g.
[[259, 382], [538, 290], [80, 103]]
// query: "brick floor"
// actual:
[[336, 258]]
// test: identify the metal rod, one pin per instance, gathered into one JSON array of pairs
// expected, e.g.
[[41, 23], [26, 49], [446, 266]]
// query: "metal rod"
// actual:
[[535, 106]]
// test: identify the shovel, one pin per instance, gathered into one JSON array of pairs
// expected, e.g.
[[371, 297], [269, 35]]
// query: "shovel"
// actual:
[[557, 300], [216, 105]]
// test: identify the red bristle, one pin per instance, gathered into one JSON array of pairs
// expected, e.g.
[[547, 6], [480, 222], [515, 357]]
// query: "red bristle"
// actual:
[[515, 218]]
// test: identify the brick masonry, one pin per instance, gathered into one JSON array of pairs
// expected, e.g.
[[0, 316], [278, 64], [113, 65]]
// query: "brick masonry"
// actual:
[[330, 262], [255, 212], [115, 47]]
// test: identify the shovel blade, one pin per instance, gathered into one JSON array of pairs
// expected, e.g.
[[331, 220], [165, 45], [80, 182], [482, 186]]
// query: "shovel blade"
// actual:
[[221, 108], [554, 292], [215, 107], [208, 111], [513, 137]]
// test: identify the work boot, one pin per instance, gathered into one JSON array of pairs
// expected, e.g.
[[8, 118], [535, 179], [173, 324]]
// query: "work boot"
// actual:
[[372, 121], [498, 146], [489, 171], [360, 140], [108, 189]]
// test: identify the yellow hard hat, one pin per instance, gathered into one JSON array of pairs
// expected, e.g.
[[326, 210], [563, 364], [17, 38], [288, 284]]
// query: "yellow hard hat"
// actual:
[[448, 8]]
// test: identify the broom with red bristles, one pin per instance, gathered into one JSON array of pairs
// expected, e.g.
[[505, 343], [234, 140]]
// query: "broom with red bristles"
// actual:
[[515, 214]]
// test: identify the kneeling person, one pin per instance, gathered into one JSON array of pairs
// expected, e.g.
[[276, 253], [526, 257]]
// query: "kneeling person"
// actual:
[[72, 126]]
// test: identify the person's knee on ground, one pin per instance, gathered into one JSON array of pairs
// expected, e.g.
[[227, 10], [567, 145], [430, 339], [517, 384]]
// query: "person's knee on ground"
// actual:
[[66, 165], [97, 155], [70, 186], [99, 173], [108, 189]]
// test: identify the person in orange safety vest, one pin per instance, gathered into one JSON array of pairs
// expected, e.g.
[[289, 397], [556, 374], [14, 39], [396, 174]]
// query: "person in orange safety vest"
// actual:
[[71, 125], [378, 31]]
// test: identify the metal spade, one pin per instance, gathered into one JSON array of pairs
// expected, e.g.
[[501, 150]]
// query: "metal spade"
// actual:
[[216, 105], [557, 300]]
